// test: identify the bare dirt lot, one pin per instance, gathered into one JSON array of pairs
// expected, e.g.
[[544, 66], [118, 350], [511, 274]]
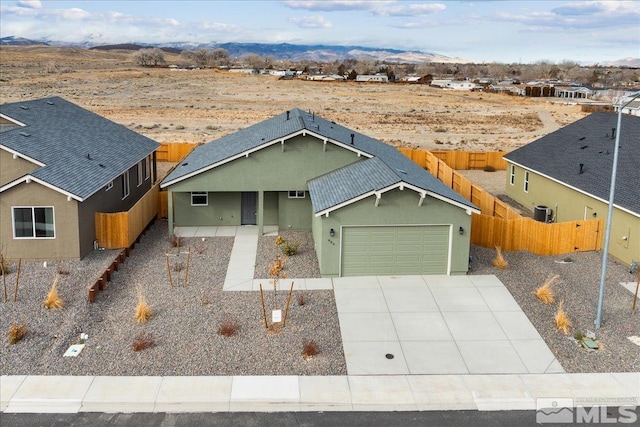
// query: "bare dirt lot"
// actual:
[[203, 105]]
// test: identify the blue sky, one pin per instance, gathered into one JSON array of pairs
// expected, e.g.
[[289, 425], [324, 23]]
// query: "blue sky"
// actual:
[[482, 31]]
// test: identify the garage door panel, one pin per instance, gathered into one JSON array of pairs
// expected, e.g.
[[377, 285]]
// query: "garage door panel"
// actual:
[[395, 250]]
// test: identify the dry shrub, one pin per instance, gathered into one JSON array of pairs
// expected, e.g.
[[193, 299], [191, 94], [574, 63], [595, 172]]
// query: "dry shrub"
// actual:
[[178, 267], [276, 267], [545, 293], [499, 260], [279, 240], [301, 300], [53, 300], [63, 270], [16, 333], [143, 311], [143, 341], [309, 349], [562, 321], [228, 327], [175, 241]]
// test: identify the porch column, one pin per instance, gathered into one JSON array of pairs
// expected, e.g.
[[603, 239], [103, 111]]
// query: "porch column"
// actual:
[[260, 212], [170, 210]]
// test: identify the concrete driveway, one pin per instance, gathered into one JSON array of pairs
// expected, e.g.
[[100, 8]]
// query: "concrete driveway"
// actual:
[[436, 325]]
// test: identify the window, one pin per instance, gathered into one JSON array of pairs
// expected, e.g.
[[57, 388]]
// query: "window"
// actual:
[[109, 186], [146, 166], [526, 181], [297, 194], [199, 198], [139, 172], [512, 174], [33, 223], [125, 185]]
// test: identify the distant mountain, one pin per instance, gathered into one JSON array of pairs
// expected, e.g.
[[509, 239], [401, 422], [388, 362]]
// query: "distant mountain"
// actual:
[[325, 53], [134, 47], [19, 41], [624, 62]]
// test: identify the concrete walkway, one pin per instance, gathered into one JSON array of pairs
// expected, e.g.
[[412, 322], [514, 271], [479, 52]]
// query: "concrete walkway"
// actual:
[[55, 394], [479, 349]]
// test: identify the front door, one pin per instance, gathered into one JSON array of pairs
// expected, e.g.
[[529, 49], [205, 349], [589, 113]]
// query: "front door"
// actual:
[[249, 203]]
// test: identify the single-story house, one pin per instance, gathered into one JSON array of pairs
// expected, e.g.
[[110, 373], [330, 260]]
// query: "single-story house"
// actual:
[[59, 165], [572, 92], [569, 173], [371, 210], [378, 78]]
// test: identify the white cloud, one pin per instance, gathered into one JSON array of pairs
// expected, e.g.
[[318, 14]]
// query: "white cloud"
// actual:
[[410, 9], [30, 4], [335, 5], [315, 21]]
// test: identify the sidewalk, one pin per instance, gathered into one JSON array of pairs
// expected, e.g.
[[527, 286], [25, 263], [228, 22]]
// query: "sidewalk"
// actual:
[[55, 394]]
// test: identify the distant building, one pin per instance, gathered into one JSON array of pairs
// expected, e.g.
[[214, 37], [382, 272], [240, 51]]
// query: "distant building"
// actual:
[[378, 78]]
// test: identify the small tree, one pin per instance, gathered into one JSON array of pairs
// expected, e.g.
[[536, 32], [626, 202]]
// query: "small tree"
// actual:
[[352, 75], [151, 57]]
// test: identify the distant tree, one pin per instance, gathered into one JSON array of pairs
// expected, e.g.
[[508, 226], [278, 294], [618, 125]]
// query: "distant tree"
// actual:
[[342, 69], [254, 61], [352, 75], [391, 75], [219, 57], [152, 57]]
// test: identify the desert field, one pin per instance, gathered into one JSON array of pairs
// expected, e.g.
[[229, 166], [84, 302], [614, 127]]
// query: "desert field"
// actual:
[[203, 105]]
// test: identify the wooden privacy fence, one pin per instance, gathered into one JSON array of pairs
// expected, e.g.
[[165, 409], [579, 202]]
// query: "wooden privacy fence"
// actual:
[[500, 225], [163, 204], [173, 151], [535, 236], [121, 229], [488, 204], [461, 160]]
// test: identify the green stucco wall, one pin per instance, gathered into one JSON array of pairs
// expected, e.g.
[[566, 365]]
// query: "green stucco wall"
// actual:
[[11, 169], [271, 170], [395, 208], [570, 205], [65, 245]]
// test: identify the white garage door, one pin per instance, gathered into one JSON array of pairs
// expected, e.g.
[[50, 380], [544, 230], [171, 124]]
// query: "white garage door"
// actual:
[[395, 250]]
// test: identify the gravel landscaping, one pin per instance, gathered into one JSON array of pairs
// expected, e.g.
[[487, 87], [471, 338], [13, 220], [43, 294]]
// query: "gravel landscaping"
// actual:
[[186, 319], [578, 286]]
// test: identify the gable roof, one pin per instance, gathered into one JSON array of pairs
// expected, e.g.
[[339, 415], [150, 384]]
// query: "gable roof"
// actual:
[[335, 188], [78, 151], [589, 142]]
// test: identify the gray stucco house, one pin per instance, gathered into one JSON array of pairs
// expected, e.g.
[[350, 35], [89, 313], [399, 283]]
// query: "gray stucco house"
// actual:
[[59, 165], [569, 173], [371, 210]]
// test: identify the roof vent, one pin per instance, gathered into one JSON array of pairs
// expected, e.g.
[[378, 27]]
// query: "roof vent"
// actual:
[[582, 139], [185, 164], [50, 103], [288, 115], [581, 167], [583, 147], [89, 156], [24, 107], [353, 135], [613, 133], [401, 171], [102, 166], [25, 134]]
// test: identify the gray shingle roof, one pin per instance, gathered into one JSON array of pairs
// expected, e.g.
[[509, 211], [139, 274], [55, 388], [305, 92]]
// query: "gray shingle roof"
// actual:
[[278, 127], [589, 141], [349, 182], [81, 151]]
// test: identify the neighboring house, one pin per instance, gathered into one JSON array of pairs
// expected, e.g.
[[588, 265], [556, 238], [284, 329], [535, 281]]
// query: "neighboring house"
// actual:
[[59, 165], [372, 211], [632, 108], [379, 78], [462, 85], [573, 92], [569, 171]]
